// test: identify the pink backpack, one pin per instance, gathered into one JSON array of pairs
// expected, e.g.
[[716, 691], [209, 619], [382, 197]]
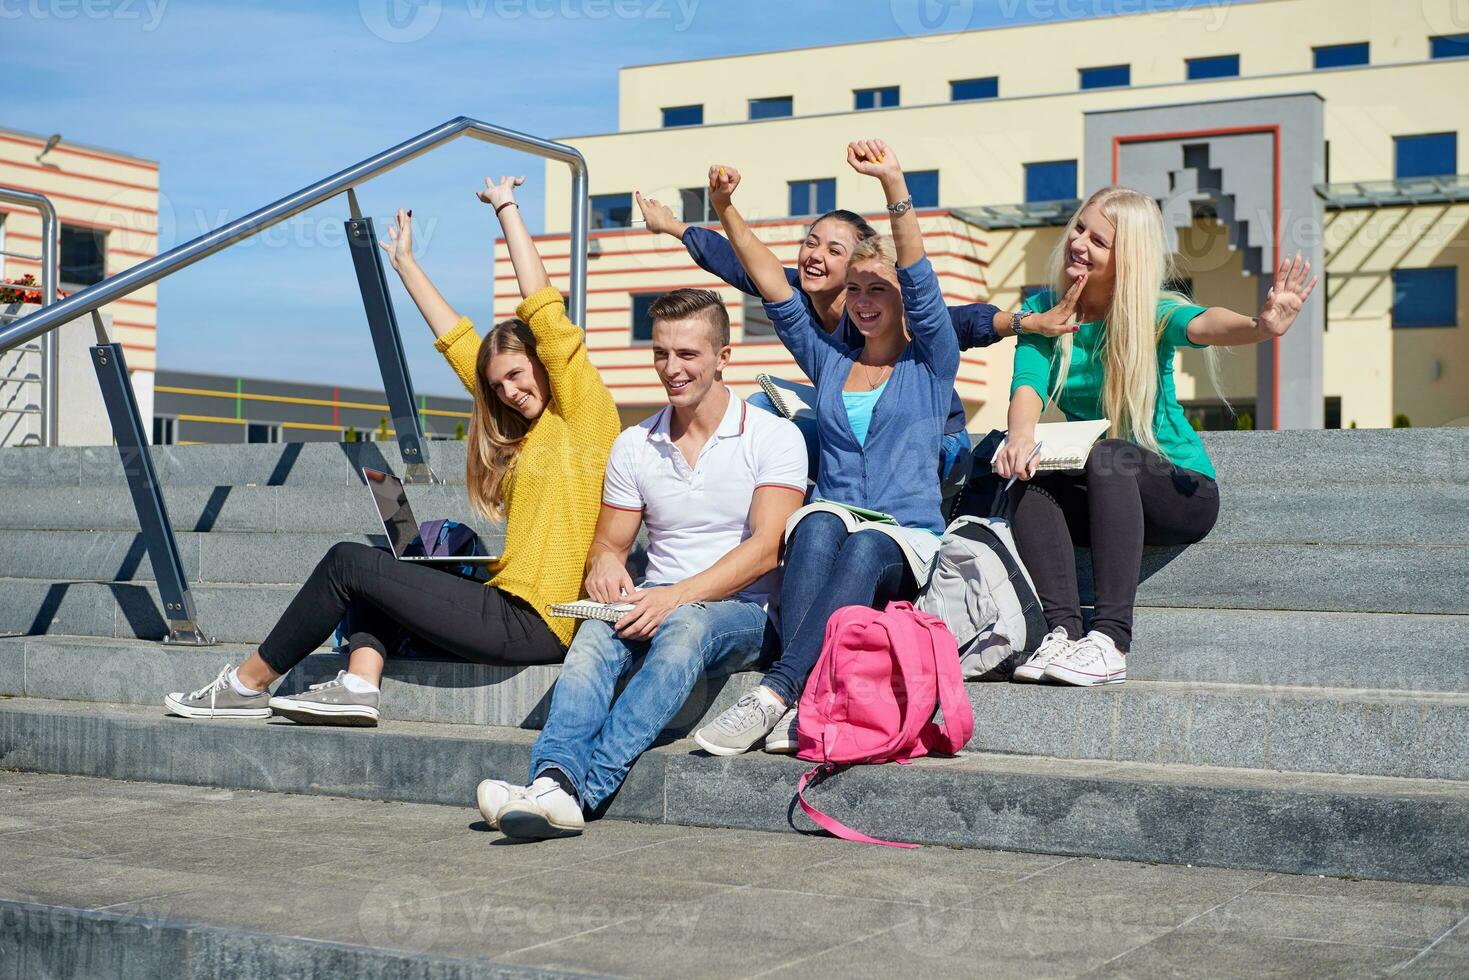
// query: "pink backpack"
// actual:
[[872, 695]]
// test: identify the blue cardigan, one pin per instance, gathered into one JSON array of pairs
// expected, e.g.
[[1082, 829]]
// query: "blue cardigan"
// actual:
[[907, 422], [973, 324]]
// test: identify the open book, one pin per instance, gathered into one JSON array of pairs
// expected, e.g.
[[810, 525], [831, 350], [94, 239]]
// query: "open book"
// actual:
[[607, 612], [790, 399], [1064, 445]]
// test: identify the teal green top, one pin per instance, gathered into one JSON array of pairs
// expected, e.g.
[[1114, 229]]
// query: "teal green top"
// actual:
[[1036, 368], [859, 406]]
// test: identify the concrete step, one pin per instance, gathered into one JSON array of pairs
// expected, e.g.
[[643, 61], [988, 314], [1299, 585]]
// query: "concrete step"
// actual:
[[1365, 731], [1370, 827], [140, 881]]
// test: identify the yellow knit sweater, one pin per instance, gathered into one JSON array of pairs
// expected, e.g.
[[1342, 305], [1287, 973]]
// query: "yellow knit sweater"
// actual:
[[554, 491]]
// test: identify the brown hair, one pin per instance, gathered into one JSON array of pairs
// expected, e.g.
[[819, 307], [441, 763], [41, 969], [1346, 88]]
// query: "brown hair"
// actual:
[[495, 429], [684, 304], [856, 221]]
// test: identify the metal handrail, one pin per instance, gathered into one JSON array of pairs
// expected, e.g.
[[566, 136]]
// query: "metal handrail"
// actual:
[[51, 352], [182, 256]]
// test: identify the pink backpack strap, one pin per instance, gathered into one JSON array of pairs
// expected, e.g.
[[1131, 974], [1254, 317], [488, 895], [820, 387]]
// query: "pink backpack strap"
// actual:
[[957, 727], [831, 824]]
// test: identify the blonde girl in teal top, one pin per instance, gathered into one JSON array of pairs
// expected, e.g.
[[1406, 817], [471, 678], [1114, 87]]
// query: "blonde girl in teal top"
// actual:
[[1149, 481]]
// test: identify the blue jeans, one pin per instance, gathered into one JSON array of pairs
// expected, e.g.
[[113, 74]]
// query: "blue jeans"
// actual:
[[594, 741], [825, 569]]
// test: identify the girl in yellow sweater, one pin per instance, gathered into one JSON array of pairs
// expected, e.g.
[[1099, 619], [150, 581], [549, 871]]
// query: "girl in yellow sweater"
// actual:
[[542, 428]]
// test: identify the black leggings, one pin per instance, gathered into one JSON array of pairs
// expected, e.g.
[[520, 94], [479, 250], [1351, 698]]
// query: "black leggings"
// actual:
[[386, 596], [1126, 497]]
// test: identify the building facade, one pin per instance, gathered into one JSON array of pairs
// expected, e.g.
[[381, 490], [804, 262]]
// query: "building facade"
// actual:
[[991, 126]]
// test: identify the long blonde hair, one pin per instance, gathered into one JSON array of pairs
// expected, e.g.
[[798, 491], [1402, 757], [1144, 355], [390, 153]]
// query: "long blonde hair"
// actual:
[[496, 431], [1143, 262]]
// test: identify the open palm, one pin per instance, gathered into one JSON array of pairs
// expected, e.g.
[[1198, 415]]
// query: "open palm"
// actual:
[[1293, 284]]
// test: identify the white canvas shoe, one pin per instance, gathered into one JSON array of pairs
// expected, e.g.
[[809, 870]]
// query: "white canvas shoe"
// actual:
[[1055, 644], [1092, 660], [544, 811]]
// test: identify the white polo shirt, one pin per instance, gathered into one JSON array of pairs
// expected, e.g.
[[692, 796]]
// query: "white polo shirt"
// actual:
[[697, 515]]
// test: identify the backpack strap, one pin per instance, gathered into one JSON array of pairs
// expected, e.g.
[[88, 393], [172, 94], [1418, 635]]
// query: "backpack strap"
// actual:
[[953, 700], [830, 824]]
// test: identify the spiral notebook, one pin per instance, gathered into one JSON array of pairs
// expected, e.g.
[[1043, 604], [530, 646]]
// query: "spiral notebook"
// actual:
[[1064, 445], [790, 399], [607, 612]]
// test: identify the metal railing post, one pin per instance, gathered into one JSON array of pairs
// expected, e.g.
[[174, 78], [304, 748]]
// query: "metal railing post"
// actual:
[[50, 346]]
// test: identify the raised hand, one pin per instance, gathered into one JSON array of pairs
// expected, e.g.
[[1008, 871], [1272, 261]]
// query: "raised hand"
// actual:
[[659, 217], [1061, 318], [1286, 296], [722, 183], [399, 245], [499, 192], [873, 158]]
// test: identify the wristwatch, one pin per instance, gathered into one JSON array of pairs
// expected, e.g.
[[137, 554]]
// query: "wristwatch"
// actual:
[[901, 207], [1016, 319]]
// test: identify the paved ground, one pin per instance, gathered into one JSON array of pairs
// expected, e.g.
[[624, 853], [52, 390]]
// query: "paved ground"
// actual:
[[643, 900]]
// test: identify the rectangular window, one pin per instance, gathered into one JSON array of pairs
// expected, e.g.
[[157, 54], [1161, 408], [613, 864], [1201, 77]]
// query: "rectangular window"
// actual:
[[1217, 66], [696, 206], [974, 88], [683, 115], [1425, 297], [642, 323], [875, 98], [775, 108], [1429, 155], [1331, 412], [611, 210], [813, 196], [83, 256], [1052, 181], [165, 430], [924, 186], [1339, 55], [262, 432], [1449, 46], [757, 324], [1108, 76]]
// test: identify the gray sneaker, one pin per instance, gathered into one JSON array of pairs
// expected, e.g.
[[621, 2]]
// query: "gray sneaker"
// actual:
[[328, 703], [783, 739], [741, 725], [218, 700]]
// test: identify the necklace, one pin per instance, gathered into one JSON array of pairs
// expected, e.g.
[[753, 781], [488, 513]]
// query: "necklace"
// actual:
[[882, 373]]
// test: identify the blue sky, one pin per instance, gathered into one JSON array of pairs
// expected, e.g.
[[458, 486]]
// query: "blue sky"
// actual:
[[242, 103]]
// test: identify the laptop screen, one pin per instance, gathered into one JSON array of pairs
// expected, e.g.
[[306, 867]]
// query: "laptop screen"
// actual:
[[392, 506]]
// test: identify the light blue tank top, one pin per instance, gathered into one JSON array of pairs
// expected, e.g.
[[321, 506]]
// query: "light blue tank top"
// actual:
[[859, 406]]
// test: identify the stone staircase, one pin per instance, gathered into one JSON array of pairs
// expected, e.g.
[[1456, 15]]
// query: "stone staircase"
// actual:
[[1298, 697]]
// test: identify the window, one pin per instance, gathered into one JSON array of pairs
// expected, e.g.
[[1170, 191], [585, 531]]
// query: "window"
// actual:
[[1218, 66], [696, 206], [1331, 412], [1053, 181], [165, 431], [683, 115], [1430, 155], [771, 108], [1110, 76], [262, 432], [924, 186], [1449, 46], [974, 88], [1340, 55], [875, 98], [1425, 297], [83, 256], [757, 324], [813, 196], [611, 210], [642, 323]]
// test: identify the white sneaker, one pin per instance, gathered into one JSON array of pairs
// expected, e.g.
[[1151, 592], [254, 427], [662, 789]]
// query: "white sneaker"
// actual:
[[491, 794], [782, 739], [544, 811], [1055, 644], [1092, 660]]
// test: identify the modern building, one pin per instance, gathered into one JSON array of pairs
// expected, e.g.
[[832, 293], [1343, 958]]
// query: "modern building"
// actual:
[[193, 408], [1263, 127]]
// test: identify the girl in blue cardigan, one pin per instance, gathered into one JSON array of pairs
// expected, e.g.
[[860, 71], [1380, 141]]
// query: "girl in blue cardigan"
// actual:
[[880, 412]]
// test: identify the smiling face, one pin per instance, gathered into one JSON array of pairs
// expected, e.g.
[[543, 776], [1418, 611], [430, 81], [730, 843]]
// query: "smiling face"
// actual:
[[520, 382], [822, 260], [1089, 245], [686, 359], [874, 300]]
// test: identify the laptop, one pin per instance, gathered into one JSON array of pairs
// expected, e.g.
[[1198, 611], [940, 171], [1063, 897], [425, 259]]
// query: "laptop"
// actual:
[[402, 527]]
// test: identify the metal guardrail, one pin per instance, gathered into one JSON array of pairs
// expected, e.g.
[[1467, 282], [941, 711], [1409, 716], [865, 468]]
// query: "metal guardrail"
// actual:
[[110, 362], [50, 348]]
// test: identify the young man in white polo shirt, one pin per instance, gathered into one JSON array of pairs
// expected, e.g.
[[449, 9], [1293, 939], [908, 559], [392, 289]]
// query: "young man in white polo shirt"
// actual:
[[715, 481]]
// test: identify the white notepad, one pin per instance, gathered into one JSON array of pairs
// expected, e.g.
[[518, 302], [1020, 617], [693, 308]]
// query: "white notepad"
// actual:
[[1064, 445], [607, 612], [790, 399]]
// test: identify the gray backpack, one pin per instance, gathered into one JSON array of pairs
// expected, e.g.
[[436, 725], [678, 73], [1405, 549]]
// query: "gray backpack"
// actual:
[[985, 596]]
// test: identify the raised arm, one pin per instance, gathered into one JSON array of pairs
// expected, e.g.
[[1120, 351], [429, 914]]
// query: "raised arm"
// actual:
[[876, 159], [530, 272], [759, 262], [709, 249], [430, 302], [1218, 327]]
